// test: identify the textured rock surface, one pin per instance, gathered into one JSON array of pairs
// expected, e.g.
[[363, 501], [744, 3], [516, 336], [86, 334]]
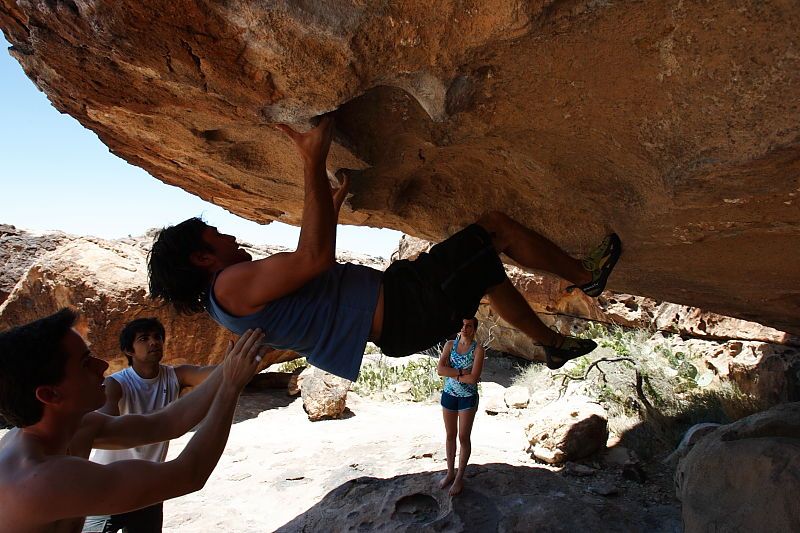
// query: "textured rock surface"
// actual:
[[744, 476], [517, 397], [18, 250], [324, 395], [499, 497], [765, 371], [566, 430], [673, 123]]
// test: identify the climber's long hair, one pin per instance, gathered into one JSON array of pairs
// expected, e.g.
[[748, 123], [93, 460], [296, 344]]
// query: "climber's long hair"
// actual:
[[173, 277]]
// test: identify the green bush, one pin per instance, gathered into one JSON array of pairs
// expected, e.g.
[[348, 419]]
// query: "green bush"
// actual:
[[294, 364], [371, 348], [380, 377]]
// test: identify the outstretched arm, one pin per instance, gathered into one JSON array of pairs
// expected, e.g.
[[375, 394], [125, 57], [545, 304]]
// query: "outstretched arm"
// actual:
[[318, 226], [113, 395], [246, 287], [70, 487], [192, 375], [119, 432]]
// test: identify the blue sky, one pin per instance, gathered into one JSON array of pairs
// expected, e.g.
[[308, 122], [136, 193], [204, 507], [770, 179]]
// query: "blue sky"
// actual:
[[55, 174]]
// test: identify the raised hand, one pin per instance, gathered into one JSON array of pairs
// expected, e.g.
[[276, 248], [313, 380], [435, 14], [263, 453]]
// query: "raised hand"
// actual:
[[242, 359], [314, 144]]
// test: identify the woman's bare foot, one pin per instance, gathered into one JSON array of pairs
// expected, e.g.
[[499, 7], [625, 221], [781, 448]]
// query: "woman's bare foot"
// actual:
[[458, 486], [446, 480]]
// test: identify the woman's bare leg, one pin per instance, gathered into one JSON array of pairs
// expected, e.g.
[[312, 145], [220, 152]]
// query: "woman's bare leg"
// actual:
[[465, 421], [451, 430]]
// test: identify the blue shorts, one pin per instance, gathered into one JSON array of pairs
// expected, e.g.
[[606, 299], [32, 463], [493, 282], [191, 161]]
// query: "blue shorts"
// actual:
[[459, 403]]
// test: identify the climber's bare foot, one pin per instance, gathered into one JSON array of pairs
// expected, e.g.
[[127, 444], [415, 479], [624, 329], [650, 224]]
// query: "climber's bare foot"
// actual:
[[458, 486], [446, 480]]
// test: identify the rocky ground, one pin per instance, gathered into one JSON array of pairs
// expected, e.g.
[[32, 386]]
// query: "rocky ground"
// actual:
[[378, 467]]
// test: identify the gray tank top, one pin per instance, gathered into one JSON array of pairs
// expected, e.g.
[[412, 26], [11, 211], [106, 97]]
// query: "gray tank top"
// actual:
[[141, 396], [328, 319]]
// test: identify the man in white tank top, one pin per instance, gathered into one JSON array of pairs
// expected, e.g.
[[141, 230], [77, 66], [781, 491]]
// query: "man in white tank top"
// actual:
[[145, 386]]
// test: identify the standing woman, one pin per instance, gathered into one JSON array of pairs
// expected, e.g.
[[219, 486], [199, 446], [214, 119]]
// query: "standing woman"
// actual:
[[461, 364]]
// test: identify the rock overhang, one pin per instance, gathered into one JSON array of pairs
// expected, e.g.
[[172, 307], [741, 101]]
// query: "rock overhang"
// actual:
[[675, 125]]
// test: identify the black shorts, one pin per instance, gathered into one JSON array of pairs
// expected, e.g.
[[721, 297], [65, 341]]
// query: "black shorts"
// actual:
[[425, 300]]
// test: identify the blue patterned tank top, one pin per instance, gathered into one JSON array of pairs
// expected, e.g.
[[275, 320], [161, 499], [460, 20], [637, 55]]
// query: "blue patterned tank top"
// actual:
[[460, 360]]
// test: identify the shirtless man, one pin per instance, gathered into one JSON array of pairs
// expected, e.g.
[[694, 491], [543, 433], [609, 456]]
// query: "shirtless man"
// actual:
[[50, 386], [327, 311]]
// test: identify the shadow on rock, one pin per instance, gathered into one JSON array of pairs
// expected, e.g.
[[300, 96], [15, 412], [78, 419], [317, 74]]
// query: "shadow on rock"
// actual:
[[496, 497], [254, 402], [501, 367]]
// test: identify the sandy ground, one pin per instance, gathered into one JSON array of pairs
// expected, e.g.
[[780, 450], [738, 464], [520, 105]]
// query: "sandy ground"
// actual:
[[277, 464]]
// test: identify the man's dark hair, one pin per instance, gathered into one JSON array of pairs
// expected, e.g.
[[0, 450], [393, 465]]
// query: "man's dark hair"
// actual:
[[474, 321], [133, 328], [31, 356], [173, 277]]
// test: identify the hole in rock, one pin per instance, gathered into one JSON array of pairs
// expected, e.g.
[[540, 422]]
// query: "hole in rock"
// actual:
[[416, 509], [214, 135]]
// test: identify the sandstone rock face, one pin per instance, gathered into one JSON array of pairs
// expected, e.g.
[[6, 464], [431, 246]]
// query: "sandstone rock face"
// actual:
[[566, 430], [766, 371], [674, 124], [18, 250], [324, 395], [744, 476]]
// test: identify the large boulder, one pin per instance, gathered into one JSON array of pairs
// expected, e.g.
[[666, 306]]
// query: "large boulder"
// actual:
[[18, 251], [324, 395], [744, 476], [674, 124], [762, 370], [566, 430], [517, 397]]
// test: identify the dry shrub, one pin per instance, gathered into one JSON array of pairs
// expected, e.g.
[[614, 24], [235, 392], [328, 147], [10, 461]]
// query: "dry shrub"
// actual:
[[674, 390]]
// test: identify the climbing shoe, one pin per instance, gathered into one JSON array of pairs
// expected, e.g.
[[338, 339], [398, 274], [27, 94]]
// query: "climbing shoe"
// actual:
[[600, 262], [570, 348]]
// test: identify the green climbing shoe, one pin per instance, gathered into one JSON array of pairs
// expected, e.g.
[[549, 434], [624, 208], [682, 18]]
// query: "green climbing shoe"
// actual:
[[600, 262]]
